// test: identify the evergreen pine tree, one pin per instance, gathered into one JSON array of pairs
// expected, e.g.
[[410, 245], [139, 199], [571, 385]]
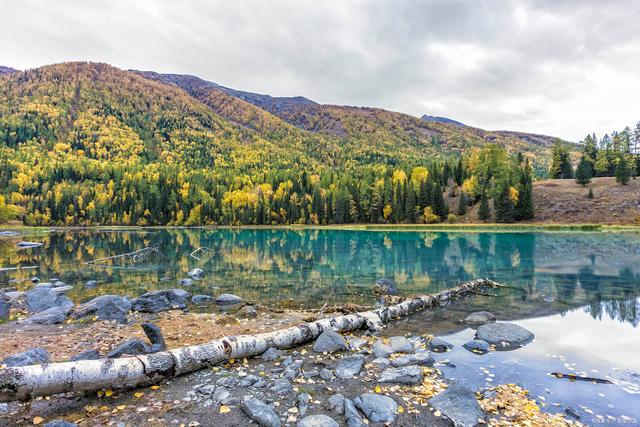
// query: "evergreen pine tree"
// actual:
[[484, 212], [525, 195], [583, 172], [623, 171], [410, 205], [439, 206], [462, 204], [504, 205]]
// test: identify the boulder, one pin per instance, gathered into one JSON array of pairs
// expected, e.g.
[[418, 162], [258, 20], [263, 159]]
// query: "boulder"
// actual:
[[423, 358], [196, 274], [480, 318], [459, 404], [385, 286], [34, 356], [260, 412], [351, 414], [477, 346], [381, 362], [40, 299], [50, 316], [319, 420], [439, 345], [105, 307], [155, 336], [356, 343], [91, 354], [201, 299], [411, 374], [385, 348], [349, 366], [248, 312], [271, 354], [131, 347], [505, 336], [228, 299], [5, 309], [377, 407], [330, 341], [160, 300], [336, 403]]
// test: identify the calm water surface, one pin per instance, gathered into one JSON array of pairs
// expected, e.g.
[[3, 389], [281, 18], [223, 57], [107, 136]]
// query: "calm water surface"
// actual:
[[578, 292]]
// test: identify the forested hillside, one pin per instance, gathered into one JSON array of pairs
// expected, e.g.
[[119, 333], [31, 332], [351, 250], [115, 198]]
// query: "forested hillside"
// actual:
[[84, 143]]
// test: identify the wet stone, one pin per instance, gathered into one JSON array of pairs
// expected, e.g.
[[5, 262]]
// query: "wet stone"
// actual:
[[330, 341], [480, 318], [505, 336], [377, 407], [196, 273], [394, 345], [356, 344], [381, 362], [248, 312], [260, 412], [349, 366], [405, 375], [228, 299], [420, 359], [477, 346], [201, 299], [459, 404], [439, 345]]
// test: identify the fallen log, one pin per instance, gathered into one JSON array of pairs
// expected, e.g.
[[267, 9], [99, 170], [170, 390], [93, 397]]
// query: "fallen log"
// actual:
[[23, 383]]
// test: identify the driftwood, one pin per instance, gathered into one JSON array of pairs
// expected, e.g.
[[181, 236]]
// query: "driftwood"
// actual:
[[574, 377], [23, 383], [136, 257]]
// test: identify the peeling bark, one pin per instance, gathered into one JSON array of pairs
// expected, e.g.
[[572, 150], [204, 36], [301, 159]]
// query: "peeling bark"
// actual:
[[23, 383]]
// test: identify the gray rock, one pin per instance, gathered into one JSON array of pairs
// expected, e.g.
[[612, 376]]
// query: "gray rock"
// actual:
[[326, 374], [221, 394], [155, 336], [91, 283], [336, 403], [439, 345], [385, 286], [229, 381], [480, 318], [5, 308], [228, 299], [105, 307], [131, 347], [356, 343], [459, 404], [207, 389], [196, 273], [505, 336], [185, 282], [61, 289], [422, 358], [477, 346], [351, 414], [91, 354], [281, 386], [29, 244], [40, 299], [248, 312], [349, 366], [395, 345], [50, 316], [34, 356], [60, 423], [201, 299], [160, 300], [303, 402], [248, 380], [411, 374], [260, 412], [293, 370], [319, 420], [377, 407], [330, 341], [288, 361], [381, 362], [272, 354]]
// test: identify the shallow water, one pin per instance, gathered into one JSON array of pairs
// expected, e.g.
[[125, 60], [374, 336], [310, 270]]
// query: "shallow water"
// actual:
[[578, 292]]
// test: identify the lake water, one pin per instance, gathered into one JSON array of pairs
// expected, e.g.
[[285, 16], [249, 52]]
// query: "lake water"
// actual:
[[578, 292]]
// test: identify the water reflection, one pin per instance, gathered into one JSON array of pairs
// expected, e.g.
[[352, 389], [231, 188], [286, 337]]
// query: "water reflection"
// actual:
[[549, 272]]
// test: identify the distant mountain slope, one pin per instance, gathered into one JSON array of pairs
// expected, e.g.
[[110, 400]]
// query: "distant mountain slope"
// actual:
[[6, 70], [429, 118]]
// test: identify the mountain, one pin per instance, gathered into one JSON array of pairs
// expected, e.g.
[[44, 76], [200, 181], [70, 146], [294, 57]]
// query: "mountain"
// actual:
[[439, 119], [6, 70]]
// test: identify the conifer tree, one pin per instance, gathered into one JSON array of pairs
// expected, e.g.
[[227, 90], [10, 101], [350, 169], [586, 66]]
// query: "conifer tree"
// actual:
[[484, 212], [583, 172], [623, 171], [525, 194], [462, 204], [504, 205]]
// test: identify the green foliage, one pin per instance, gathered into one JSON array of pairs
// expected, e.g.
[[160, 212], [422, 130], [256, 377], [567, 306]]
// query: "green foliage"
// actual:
[[583, 172], [560, 162], [505, 210], [484, 212], [623, 171], [462, 205]]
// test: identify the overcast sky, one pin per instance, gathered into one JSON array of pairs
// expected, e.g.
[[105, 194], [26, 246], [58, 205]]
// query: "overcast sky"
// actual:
[[558, 67]]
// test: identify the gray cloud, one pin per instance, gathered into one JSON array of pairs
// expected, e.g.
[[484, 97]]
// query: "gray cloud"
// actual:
[[560, 67]]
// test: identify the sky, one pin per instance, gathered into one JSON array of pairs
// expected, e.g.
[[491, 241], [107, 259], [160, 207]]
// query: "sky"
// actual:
[[558, 67]]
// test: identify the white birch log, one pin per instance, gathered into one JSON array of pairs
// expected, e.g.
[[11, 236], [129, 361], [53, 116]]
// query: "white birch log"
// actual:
[[23, 383]]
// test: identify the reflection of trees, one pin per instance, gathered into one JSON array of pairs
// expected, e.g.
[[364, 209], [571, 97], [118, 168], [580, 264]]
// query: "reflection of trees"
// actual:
[[551, 272]]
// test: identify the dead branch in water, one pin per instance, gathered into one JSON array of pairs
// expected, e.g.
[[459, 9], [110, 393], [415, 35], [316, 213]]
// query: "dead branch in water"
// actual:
[[136, 257]]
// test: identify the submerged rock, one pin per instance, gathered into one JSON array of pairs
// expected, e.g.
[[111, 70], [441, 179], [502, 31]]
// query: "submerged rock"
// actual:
[[260, 412], [404, 375], [459, 404], [201, 299], [439, 345], [91, 283], [34, 356], [423, 358], [91, 354], [196, 273], [330, 341], [185, 282], [248, 312], [160, 300], [505, 336], [385, 286], [319, 420], [228, 299], [43, 298], [377, 407], [477, 346], [105, 307], [349, 366], [392, 345], [480, 318]]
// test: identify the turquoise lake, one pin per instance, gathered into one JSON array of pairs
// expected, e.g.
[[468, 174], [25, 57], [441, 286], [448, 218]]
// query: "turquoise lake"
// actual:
[[578, 292]]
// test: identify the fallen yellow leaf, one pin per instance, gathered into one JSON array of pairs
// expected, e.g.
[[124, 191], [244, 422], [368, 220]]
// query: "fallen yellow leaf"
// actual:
[[108, 393], [121, 407], [37, 420], [224, 409], [378, 389], [138, 394], [155, 387], [400, 409]]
